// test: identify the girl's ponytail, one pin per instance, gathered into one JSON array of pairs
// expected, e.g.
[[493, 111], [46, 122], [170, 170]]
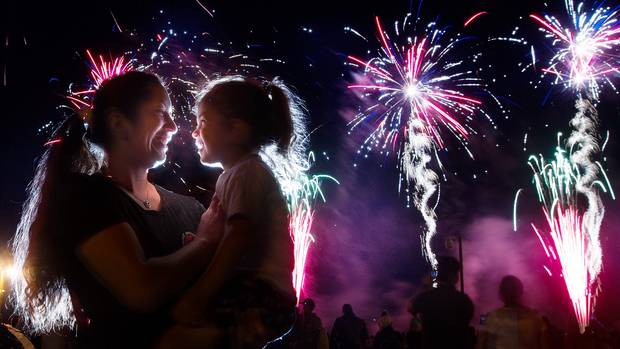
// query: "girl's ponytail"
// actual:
[[282, 119]]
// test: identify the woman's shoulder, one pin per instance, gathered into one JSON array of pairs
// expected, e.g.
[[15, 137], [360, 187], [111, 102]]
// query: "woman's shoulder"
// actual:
[[179, 199], [92, 185], [84, 179]]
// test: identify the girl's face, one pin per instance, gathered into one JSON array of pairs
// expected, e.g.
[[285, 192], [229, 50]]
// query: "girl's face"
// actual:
[[212, 135], [151, 130]]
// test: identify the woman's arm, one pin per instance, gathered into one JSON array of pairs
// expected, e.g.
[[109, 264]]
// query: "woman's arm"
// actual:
[[116, 258], [191, 308]]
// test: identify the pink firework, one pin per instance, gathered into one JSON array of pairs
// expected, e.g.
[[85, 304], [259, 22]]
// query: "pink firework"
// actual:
[[569, 246], [101, 70], [300, 224]]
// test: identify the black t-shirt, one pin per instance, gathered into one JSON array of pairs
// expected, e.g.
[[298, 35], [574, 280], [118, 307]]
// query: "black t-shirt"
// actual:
[[445, 313], [92, 204]]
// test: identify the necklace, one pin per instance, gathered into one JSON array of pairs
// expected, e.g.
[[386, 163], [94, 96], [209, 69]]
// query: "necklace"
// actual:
[[146, 202]]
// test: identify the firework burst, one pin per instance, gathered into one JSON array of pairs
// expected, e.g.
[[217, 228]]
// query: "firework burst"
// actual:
[[586, 50], [417, 88], [100, 71]]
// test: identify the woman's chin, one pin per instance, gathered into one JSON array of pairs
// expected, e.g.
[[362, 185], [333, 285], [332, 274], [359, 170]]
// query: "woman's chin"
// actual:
[[158, 157]]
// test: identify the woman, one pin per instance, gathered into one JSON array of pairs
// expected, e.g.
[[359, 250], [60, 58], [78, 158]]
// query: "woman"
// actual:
[[99, 242]]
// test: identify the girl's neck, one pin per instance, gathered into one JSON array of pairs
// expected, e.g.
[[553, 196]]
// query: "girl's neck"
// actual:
[[235, 157]]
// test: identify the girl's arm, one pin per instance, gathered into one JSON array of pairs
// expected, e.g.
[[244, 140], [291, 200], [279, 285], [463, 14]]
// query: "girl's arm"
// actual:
[[115, 257], [191, 308]]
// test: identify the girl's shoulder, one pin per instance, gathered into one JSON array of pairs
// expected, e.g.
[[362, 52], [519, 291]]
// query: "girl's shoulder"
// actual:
[[253, 168]]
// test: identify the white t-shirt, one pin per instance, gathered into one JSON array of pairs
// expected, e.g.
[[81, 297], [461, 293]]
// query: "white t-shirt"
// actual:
[[249, 189], [514, 328]]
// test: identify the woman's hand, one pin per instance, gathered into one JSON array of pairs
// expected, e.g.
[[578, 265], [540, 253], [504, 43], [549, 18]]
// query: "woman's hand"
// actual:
[[212, 222]]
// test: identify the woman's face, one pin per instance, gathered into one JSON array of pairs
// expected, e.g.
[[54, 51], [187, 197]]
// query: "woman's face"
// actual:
[[211, 135], [151, 130]]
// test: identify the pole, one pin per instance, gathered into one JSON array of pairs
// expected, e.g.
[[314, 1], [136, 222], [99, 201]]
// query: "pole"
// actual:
[[461, 261]]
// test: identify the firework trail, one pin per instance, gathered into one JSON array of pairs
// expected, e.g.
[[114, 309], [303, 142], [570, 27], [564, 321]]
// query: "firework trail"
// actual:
[[301, 194], [585, 57], [567, 242], [416, 89]]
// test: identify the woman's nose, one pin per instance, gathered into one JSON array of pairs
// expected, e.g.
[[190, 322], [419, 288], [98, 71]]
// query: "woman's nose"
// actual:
[[170, 124]]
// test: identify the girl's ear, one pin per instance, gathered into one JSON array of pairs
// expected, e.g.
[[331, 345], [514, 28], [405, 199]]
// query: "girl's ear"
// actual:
[[119, 126], [240, 131]]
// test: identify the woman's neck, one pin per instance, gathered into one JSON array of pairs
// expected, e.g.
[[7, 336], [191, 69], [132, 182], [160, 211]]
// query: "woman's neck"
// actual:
[[131, 178]]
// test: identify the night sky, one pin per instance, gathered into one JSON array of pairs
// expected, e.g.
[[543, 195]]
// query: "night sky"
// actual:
[[367, 251]]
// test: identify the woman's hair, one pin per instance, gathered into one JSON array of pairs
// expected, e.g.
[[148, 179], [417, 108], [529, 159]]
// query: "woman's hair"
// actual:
[[264, 106], [40, 293]]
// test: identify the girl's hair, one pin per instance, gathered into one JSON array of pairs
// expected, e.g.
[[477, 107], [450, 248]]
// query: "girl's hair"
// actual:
[[40, 293], [280, 130], [264, 106]]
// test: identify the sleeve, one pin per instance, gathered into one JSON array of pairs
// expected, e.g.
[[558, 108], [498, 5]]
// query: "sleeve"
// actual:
[[89, 207], [247, 192], [490, 325]]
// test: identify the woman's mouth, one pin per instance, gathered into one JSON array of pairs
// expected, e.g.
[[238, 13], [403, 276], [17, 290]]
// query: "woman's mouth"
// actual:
[[162, 141]]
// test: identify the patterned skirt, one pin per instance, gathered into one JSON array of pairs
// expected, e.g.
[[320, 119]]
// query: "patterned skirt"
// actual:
[[253, 313]]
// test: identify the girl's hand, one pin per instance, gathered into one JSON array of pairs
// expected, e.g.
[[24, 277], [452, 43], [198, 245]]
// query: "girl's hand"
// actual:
[[212, 222]]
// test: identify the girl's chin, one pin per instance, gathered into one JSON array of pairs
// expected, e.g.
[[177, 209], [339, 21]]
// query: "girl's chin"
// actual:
[[207, 160]]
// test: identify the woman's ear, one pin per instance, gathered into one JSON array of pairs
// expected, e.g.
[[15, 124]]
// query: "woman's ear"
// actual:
[[119, 126]]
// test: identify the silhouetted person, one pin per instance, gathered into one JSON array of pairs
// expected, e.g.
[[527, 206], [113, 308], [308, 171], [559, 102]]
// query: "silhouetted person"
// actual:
[[387, 337], [513, 326], [444, 311], [413, 336], [308, 327], [349, 331]]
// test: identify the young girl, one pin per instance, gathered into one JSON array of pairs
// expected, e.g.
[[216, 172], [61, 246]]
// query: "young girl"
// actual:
[[248, 285]]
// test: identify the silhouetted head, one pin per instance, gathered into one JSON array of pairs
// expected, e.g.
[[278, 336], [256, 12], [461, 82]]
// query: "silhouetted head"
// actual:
[[511, 290], [448, 270], [308, 305], [384, 320], [347, 309]]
